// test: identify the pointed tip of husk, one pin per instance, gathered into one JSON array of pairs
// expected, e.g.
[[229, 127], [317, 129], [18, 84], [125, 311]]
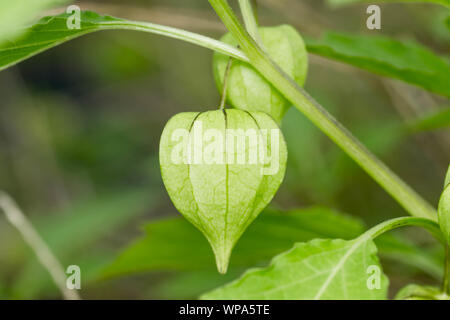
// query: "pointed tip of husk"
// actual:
[[222, 259]]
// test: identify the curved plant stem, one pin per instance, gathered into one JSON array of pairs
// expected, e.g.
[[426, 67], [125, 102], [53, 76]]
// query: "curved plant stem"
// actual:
[[445, 283], [179, 34], [397, 188], [250, 20], [40, 248], [154, 28], [223, 98], [395, 223]]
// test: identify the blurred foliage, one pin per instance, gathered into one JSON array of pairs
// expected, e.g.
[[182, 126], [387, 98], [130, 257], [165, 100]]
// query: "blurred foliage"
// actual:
[[436, 120], [80, 127], [407, 61], [176, 245]]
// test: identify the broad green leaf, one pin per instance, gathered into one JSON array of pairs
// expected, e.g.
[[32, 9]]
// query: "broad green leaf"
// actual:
[[417, 292], [173, 244], [319, 269], [436, 120], [407, 61], [398, 249], [15, 14], [94, 219], [337, 3]]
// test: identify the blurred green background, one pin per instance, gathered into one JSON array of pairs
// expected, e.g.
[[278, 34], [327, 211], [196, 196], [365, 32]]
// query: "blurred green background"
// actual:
[[80, 127]]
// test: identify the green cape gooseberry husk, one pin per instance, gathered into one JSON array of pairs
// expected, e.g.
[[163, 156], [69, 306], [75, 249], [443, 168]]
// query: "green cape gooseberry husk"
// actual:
[[444, 208], [247, 89], [221, 197]]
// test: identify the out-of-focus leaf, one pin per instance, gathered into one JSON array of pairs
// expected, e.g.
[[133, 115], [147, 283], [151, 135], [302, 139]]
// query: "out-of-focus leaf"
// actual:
[[417, 292], [392, 248], [407, 61], [337, 3], [396, 248], [436, 120], [72, 234], [15, 14], [190, 285], [2, 292], [173, 244], [329, 269]]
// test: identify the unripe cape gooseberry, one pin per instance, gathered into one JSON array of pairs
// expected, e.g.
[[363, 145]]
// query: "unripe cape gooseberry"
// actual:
[[247, 89], [221, 168]]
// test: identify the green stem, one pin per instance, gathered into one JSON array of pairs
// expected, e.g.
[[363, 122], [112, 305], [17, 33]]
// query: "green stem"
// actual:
[[445, 283], [255, 6], [223, 98], [166, 31], [179, 34], [397, 188], [249, 19], [395, 223]]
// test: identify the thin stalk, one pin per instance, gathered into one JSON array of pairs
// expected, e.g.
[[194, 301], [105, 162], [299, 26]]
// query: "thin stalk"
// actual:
[[154, 28], [445, 282], [223, 98], [179, 34], [255, 6], [389, 181], [395, 223], [45, 256], [250, 20]]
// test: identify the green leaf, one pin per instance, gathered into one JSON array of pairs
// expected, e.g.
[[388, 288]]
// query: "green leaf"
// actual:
[[439, 119], [14, 15], [52, 31], [173, 244], [330, 269], [319, 269], [338, 3], [417, 292], [407, 61], [398, 249]]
